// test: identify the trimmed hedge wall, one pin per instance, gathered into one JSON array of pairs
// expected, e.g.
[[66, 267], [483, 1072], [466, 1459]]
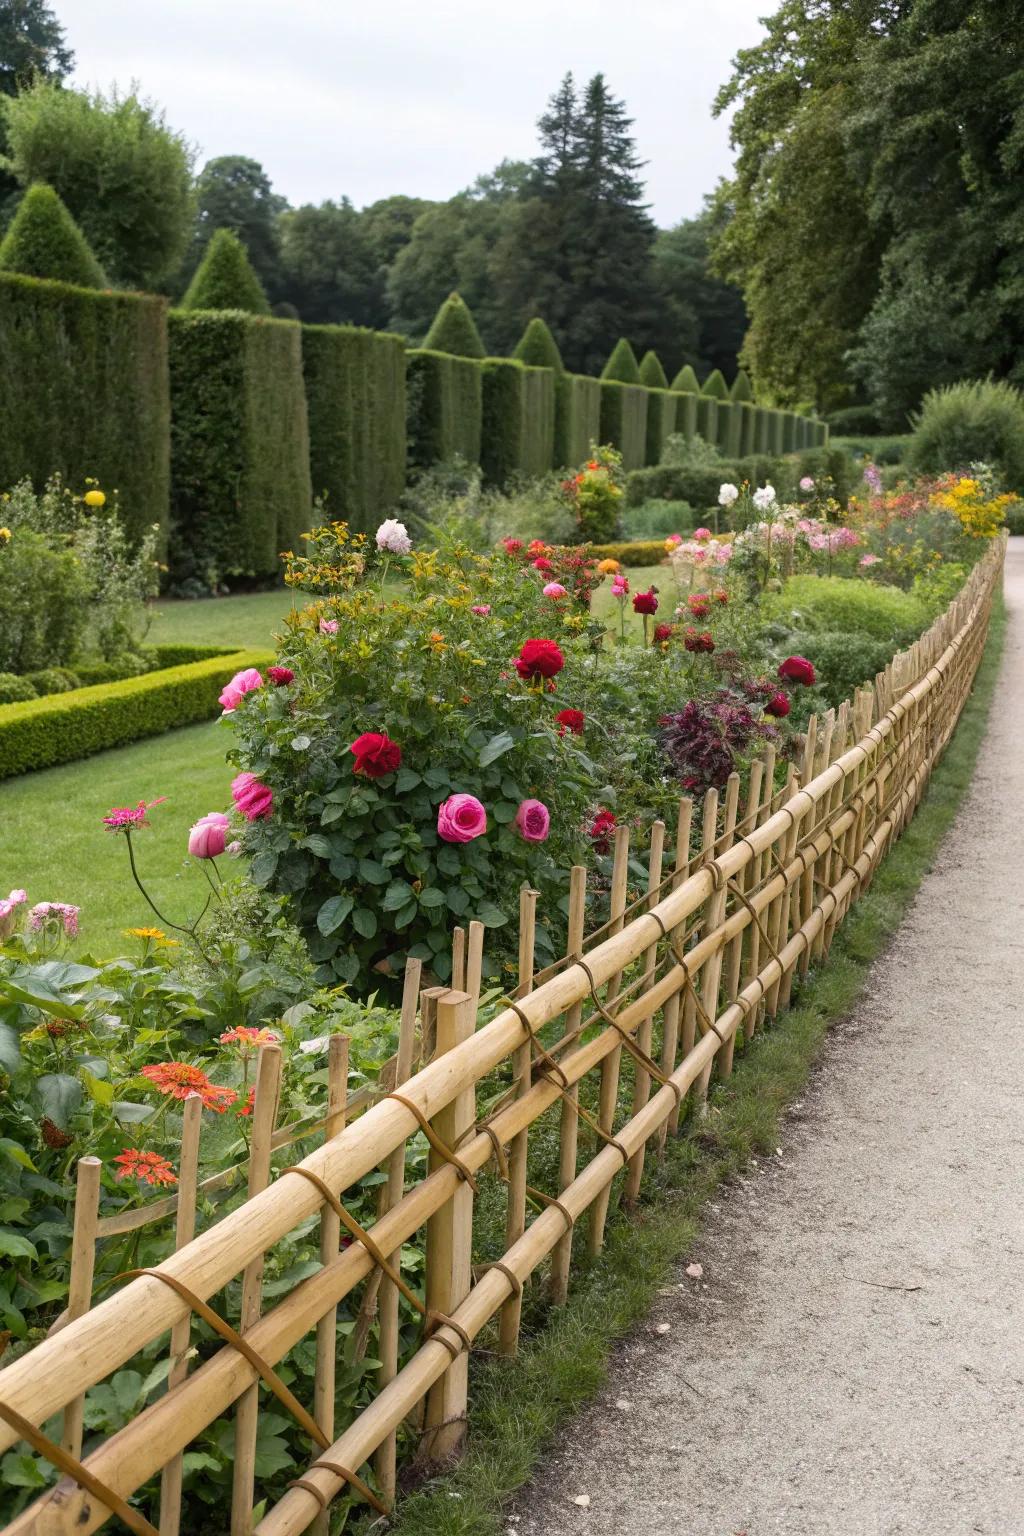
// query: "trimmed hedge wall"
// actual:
[[577, 418], [624, 420], [538, 445], [729, 428], [661, 422], [707, 418], [517, 419], [638, 552], [84, 392], [239, 443], [66, 726], [686, 413], [355, 400], [444, 403]]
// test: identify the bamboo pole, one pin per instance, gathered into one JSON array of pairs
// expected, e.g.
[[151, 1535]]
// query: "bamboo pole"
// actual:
[[608, 1094], [709, 837], [181, 1333], [83, 1265], [561, 1258], [518, 1154], [325, 1374], [712, 979], [671, 1012], [645, 1030]]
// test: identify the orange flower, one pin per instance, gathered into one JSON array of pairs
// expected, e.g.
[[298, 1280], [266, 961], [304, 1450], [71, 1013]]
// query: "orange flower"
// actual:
[[608, 567], [179, 1079], [147, 1167], [246, 1109], [247, 1036]]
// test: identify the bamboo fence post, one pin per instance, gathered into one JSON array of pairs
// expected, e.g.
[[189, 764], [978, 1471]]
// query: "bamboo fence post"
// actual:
[[645, 1030], [733, 966], [711, 977], [608, 1094], [385, 1461], [428, 1022], [459, 959], [758, 865], [561, 1258], [181, 1333], [330, 1235], [778, 911], [791, 898], [474, 960], [264, 1114], [83, 1265], [709, 835], [671, 1011], [450, 1241], [522, 1072]]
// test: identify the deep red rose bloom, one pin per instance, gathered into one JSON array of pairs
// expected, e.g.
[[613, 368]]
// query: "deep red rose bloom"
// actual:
[[602, 824], [571, 720], [375, 754], [778, 705], [699, 640], [645, 602], [797, 669], [280, 676], [512, 546], [663, 632], [539, 658]]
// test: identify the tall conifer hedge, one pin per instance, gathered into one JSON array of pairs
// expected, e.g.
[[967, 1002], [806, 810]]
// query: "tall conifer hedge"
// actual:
[[355, 399]]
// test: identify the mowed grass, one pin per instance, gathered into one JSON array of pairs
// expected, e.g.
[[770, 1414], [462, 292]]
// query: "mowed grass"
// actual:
[[52, 839]]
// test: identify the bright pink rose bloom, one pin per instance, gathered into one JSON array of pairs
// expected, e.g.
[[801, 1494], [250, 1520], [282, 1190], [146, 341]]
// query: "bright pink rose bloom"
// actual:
[[533, 821], [702, 533], [280, 676], [554, 589], [328, 626], [797, 669], [460, 819], [253, 798], [207, 838], [620, 585], [482, 610], [542, 563], [241, 684]]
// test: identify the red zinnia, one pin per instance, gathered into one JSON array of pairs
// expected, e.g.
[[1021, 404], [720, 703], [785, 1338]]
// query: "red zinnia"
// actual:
[[663, 632], [645, 602], [247, 1035], [179, 1079], [778, 705], [797, 669], [280, 676], [245, 1110], [542, 564], [375, 754], [147, 1167], [512, 546], [602, 824], [570, 720], [539, 658], [698, 640], [698, 604]]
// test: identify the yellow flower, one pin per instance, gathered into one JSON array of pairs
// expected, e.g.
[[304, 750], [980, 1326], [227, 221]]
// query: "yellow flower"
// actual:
[[5, 534], [95, 499], [608, 567], [146, 933]]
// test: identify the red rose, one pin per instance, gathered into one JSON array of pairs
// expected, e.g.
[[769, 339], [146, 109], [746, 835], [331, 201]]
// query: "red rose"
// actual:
[[663, 632], [512, 546], [698, 604], [602, 824], [571, 720], [280, 676], [541, 564], [539, 658], [698, 640], [797, 669], [375, 754], [778, 705], [645, 602]]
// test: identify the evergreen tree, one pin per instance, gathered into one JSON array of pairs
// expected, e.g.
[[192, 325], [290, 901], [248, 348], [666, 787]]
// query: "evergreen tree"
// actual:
[[652, 373], [622, 365], [233, 192], [454, 330], [715, 385], [538, 348], [44, 241], [32, 45], [225, 280], [329, 270], [741, 387], [686, 380]]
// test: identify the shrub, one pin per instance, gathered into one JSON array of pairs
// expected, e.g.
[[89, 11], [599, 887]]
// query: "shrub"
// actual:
[[652, 373], [624, 420], [454, 331], [622, 365], [240, 443], [43, 592], [696, 484], [537, 348], [65, 727], [850, 606], [577, 417], [43, 240], [15, 689], [595, 494], [517, 425], [741, 387], [715, 385], [224, 279], [631, 552], [686, 381], [444, 403], [657, 519], [855, 421], [880, 450], [842, 661], [689, 450], [53, 680], [355, 402], [84, 392], [969, 423]]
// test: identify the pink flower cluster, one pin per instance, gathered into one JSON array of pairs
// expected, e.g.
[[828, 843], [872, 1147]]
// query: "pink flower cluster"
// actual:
[[462, 818], [242, 683], [60, 913], [8, 912], [700, 552]]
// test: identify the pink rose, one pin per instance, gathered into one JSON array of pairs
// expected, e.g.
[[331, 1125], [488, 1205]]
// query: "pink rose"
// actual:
[[460, 819], [702, 533], [554, 589], [533, 821], [328, 626], [253, 798], [481, 610], [207, 838], [241, 684]]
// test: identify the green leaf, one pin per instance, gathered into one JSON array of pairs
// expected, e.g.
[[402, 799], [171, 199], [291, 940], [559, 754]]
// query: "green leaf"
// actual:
[[407, 779], [457, 899], [398, 894], [405, 917], [261, 870], [99, 1091], [495, 748], [504, 812], [301, 743], [14, 1246], [131, 1114], [16, 1153], [488, 913], [317, 843], [10, 1051], [433, 896], [60, 1095], [371, 872], [365, 922], [333, 913]]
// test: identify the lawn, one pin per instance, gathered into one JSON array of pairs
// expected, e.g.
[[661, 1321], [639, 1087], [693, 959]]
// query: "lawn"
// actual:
[[54, 842]]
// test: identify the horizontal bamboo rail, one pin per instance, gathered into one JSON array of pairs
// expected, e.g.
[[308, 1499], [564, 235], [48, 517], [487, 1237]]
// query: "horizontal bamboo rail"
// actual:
[[704, 953]]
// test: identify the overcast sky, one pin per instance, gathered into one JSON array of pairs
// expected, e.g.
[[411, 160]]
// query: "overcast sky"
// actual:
[[368, 99]]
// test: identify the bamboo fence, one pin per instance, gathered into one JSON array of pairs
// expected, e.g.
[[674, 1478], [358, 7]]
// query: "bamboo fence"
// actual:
[[652, 1003]]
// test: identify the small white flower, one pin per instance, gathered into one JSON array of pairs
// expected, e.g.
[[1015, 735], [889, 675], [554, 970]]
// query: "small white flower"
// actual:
[[727, 494], [764, 499], [394, 537]]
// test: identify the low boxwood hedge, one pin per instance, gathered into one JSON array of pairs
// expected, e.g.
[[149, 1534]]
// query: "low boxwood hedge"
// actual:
[[65, 726], [638, 552]]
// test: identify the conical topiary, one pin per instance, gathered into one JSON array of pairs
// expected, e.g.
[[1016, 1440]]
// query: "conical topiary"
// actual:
[[686, 380], [454, 330], [45, 241], [741, 387], [538, 348], [224, 279], [622, 365], [715, 385], [652, 373]]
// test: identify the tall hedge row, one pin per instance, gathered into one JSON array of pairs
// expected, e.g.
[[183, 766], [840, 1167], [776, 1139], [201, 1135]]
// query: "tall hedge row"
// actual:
[[707, 418], [84, 391], [355, 400], [444, 398], [624, 420], [517, 419], [661, 421], [240, 485], [686, 412], [577, 418]]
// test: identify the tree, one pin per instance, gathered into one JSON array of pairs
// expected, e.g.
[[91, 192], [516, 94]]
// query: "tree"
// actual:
[[32, 45], [651, 372], [454, 330], [538, 348], [235, 193], [124, 175], [328, 268], [224, 279], [388, 225], [44, 241], [686, 380], [622, 364]]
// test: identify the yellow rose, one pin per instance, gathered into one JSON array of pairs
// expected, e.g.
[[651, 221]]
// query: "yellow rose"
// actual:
[[95, 499]]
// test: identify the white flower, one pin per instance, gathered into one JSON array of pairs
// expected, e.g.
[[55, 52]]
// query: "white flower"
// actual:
[[764, 499], [727, 494], [394, 536]]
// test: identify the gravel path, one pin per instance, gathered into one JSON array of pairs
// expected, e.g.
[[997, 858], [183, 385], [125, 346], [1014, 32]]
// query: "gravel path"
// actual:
[[852, 1359]]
